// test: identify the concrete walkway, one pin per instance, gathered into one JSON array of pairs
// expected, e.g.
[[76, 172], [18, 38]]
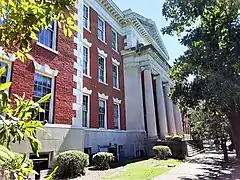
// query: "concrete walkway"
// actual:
[[205, 166]]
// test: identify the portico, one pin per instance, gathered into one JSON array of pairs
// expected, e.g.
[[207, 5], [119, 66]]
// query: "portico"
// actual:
[[147, 85]]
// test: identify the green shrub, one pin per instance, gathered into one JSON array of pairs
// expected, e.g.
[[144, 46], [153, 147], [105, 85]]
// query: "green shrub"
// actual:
[[162, 152], [70, 164], [101, 160], [174, 138]]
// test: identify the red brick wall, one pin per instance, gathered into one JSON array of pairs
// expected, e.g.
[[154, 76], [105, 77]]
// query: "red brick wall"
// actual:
[[93, 83], [23, 76]]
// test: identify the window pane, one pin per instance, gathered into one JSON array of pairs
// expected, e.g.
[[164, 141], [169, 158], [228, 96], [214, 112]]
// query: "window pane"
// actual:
[[101, 114], [85, 16], [100, 29], [42, 86], [114, 40], [85, 111], [101, 69], [46, 36], [116, 116], [85, 60], [115, 76]]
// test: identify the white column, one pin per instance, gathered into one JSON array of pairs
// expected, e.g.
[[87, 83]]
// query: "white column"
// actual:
[[170, 112], [149, 102], [178, 120], [162, 119]]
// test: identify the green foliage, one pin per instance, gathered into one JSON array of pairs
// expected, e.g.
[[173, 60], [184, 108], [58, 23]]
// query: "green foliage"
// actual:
[[204, 123], [211, 32], [70, 164], [14, 164], [162, 152], [174, 138], [24, 19], [101, 160]]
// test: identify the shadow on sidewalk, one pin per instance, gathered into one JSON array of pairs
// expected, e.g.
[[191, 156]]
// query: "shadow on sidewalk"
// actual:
[[214, 167]]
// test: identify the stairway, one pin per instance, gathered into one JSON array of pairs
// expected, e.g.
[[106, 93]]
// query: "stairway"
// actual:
[[193, 149]]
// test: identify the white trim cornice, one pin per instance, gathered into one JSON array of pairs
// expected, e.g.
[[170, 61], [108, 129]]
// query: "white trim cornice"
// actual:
[[86, 43], [102, 96], [87, 91], [114, 61], [45, 69], [102, 53], [117, 101]]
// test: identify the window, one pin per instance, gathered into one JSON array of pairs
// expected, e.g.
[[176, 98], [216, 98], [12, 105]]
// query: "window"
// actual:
[[85, 16], [47, 36], [4, 78], [101, 29], [116, 108], [114, 40], [101, 69], [102, 113], [43, 86], [85, 61], [85, 111], [115, 76]]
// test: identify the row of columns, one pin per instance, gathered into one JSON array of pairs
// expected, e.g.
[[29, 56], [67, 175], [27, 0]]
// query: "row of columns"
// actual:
[[169, 117]]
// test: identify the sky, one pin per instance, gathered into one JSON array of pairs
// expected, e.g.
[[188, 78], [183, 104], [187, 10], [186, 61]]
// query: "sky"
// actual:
[[153, 9]]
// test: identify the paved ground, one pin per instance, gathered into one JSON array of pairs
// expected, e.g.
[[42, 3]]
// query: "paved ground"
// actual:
[[205, 166]]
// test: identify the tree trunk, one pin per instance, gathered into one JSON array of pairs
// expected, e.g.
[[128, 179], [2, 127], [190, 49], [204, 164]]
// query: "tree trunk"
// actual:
[[235, 125]]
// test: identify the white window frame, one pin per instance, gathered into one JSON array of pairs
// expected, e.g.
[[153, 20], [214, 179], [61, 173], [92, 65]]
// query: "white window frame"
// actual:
[[113, 31], [88, 45], [54, 41], [105, 115], [88, 113], [45, 70], [88, 60], [88, 20], [105, 78], [50, 121], [116, 63], [119, 115], [104, 30]]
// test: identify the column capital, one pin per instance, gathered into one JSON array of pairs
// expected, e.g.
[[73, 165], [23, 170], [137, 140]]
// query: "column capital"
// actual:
[[146, 67]]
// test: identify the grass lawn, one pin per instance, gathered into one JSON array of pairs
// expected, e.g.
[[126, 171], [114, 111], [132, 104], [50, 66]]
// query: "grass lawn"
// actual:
[[143, 170]]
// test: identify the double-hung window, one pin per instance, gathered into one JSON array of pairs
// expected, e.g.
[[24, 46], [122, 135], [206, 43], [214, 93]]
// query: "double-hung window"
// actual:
[[47, 37], [116, 108], [115, 76], [43, 86], [101, 69], [101, 29], [85, 60], [114, 40], [85, 16], [85, 111], [102, 113]]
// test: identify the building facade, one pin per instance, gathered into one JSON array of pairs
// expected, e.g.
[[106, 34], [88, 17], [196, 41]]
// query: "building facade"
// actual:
[[109, 83]]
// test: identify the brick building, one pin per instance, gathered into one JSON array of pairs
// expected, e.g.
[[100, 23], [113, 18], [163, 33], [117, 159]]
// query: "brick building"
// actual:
[[109, 83]]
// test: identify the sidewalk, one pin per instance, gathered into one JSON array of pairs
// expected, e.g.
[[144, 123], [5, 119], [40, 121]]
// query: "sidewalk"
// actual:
[[208, 165]]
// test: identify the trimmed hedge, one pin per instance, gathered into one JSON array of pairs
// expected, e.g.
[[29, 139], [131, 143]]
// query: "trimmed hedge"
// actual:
[[70, 164], [162, 152], [101, 160]]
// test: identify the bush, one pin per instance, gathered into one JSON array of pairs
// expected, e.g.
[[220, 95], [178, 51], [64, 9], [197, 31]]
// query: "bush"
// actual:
[[174, 138], [162, 152], [101, 160], [70, 164]]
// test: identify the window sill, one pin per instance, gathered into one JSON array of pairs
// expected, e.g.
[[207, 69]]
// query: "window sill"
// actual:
[[103, 83], [115, 51], [48, 48], [102, 41], [87, 76], [116, 89], [87, 29]]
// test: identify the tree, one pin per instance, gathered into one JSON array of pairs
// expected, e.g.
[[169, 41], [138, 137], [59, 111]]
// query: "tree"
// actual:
[[210, 30], [203, 123], [20, 23]]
